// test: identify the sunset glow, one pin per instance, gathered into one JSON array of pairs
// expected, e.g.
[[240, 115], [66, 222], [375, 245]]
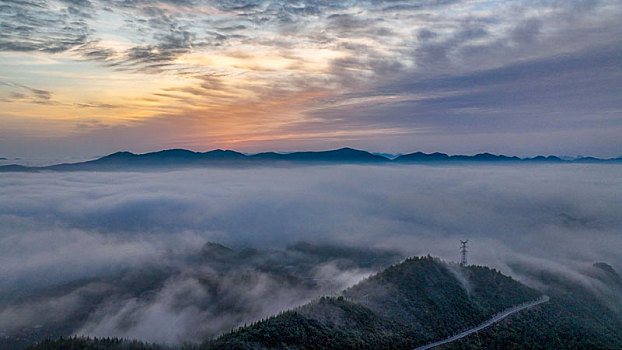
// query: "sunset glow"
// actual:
[[270, 75]]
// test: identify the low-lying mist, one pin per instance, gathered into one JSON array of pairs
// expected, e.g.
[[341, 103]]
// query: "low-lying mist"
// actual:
[[126, 254]]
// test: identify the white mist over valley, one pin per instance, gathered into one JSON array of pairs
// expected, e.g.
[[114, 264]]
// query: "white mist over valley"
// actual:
[[176, 256]]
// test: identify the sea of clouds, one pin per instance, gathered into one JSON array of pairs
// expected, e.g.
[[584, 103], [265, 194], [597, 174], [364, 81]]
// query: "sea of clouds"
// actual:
[[123, 250]]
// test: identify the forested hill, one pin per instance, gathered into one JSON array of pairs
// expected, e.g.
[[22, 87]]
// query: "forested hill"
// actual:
[[422, 300], [578, 316], [415, 302], [412, 303]]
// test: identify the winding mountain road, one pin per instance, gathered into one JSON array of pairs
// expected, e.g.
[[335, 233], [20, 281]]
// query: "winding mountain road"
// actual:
[[498, 317]]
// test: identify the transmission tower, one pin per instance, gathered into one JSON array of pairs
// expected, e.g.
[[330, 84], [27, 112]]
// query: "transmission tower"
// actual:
[[463, 251]]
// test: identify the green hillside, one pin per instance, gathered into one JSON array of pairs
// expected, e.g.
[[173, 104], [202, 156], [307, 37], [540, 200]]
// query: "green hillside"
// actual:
[[415, 302], [575, 318]]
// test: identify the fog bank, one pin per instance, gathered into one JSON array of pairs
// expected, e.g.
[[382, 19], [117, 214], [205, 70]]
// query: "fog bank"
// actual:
[[102, 228]]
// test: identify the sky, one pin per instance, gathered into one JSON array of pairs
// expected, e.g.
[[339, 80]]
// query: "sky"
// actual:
[[83, 78]]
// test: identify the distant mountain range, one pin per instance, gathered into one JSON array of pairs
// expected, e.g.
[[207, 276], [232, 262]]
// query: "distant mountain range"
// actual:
[[184, 158]]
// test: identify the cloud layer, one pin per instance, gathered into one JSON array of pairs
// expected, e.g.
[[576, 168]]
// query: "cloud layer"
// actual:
[[123, 254]]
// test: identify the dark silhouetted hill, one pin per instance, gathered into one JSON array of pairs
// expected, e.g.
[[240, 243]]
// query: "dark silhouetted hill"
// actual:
[[181, 158], [420, 157], [338, 155], [162, 159]]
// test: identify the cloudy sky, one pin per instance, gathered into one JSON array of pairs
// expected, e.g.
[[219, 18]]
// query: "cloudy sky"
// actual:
[[90, 77]]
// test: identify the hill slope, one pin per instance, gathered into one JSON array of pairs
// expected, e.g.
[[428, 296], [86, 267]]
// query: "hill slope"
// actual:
[[412, 303], [575, 318], [415, 302], [422, 300]]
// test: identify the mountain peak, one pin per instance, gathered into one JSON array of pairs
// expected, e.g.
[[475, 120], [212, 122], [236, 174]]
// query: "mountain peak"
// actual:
[[120, 154], [348, 149]]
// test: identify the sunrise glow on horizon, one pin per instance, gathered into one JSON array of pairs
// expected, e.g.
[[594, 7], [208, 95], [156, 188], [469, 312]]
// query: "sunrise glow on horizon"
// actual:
[[517, 77]]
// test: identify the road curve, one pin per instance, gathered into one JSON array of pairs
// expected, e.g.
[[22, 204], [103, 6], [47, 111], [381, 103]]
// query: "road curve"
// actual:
[[498, 317]]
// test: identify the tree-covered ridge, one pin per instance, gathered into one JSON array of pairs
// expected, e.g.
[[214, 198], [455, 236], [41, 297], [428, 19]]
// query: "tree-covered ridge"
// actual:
[[574, 318], [440, 298], [409, 304], [87, 343], [412, 303], [223, 281]]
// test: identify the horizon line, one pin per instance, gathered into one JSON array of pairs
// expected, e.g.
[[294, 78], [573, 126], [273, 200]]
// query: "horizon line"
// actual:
[[381, 154]]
